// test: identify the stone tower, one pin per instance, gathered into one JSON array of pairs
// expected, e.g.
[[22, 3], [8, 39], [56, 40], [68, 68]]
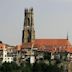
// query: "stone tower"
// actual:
[[28, 33]]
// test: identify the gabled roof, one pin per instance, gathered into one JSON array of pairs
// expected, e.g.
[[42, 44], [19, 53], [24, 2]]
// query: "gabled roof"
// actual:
[[52, 42], [43, 44], [52, 45]]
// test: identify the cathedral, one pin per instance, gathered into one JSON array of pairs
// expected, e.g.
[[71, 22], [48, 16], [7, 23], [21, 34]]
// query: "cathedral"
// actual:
[[31, 48], [46, 45]]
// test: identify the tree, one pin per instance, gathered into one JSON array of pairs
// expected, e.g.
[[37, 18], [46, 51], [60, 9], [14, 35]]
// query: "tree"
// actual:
[[9, 67], [47, 55]]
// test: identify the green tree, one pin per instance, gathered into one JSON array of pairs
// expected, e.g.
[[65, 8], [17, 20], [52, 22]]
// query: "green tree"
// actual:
[[47, 55], [9, 67]]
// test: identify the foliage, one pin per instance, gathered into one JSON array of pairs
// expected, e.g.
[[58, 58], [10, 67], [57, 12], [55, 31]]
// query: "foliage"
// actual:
[[27, 67], [9, 67], [47, 55]]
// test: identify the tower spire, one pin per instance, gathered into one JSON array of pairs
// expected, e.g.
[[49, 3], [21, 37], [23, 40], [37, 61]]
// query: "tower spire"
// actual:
[[67, 36]]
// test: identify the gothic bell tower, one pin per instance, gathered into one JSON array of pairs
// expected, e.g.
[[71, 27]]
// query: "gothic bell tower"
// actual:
[[28, 33]]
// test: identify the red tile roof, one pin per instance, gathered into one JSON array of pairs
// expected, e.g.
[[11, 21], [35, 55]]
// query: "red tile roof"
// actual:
[[1, 46], [51, 45], [69, 50], [52, 42]]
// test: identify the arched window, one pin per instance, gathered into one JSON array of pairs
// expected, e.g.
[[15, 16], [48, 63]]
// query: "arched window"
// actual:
[[29, 35], [28, 22]]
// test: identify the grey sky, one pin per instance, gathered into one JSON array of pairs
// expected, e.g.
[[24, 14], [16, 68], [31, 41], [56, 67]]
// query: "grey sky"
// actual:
[[52, 19]]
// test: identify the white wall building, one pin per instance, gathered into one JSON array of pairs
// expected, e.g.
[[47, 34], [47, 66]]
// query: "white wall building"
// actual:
[[6, 58], [32, 59]]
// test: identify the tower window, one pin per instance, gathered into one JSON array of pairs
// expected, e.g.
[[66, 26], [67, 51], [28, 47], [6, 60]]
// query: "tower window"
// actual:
[[28, 22], [29, 36]]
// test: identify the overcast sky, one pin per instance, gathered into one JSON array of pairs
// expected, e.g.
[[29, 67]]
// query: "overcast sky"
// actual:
[[52, 19]]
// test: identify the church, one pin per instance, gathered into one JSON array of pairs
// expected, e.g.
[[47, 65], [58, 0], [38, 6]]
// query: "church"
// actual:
[[32, 49], [44, 45]]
